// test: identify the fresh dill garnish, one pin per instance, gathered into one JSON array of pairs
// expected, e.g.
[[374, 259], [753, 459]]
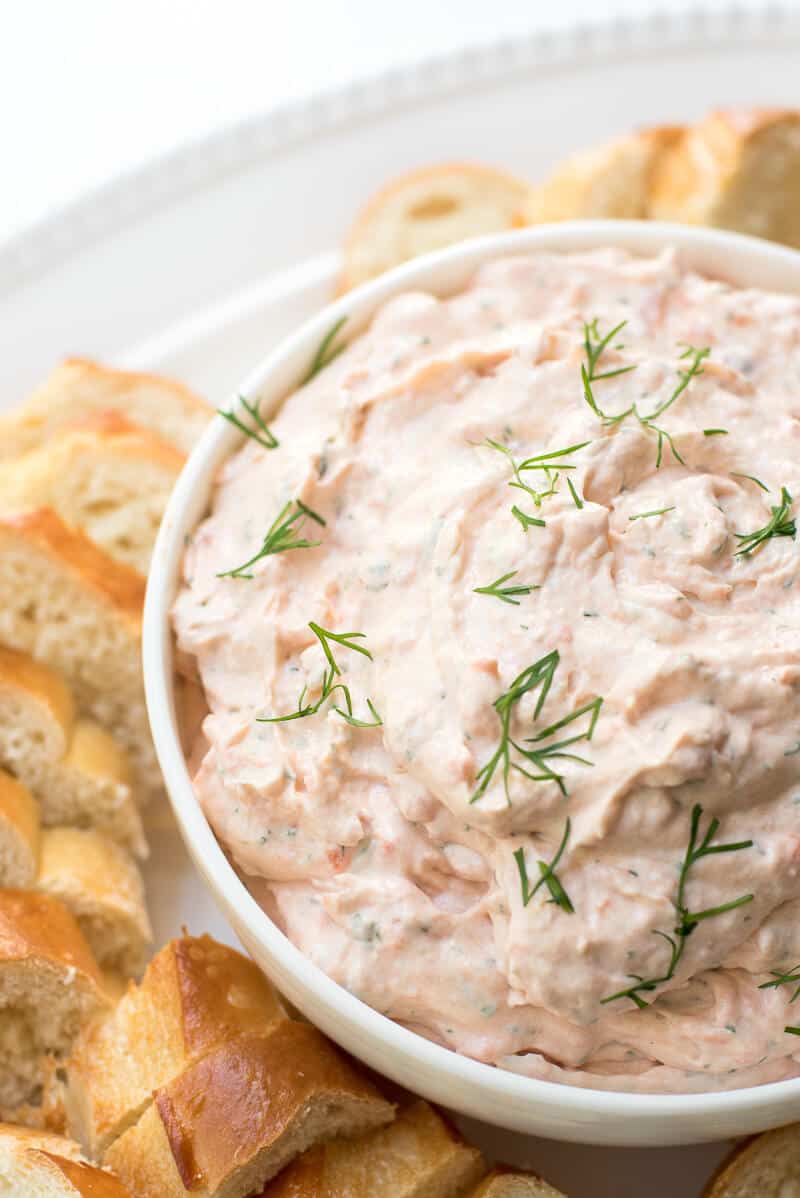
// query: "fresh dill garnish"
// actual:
[[751, 478], [780, 524], [507, 594], [576, 499], [527, 521], [550, 464], [329, 684], [548, 878], [326, 352], [715, 432], [659, 511], [259, 431], [784, 979], [793, 1031], [695, 367], [281, 536], [687, 919], [595, 346], [538, 676]]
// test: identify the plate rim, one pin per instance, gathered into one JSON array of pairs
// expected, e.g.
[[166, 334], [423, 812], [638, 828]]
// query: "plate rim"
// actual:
[[164, 178]]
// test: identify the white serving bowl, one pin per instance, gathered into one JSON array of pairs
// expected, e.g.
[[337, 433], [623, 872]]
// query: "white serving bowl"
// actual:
[[497, 1096]]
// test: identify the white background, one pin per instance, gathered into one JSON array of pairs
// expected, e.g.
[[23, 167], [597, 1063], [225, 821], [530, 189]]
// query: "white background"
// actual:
[[89, 88]]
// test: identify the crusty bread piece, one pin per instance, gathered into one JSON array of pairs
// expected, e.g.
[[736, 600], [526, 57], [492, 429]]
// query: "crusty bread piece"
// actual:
[[233, 1119], [74, 768], [19, 834], [195, 995], [50, 986], [737, 169], [609, 181], [69, 604], [426, 210], [79, 388], [107, 477], [767, 1166], [505, 1183], [417, 1156], [100, 884], [38, 1165]]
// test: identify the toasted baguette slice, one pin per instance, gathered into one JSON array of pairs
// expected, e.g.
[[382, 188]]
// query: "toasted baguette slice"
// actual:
[[609, 181], [107, 477], [195, 995], [68, 603], [737, 170], [427, 210], [74, 768], [50, 986], [19, 834], [505, 1183], [79, 388], [767, 1166], [282, 1092], [102, 887], [37, 1165], [417, 1156]]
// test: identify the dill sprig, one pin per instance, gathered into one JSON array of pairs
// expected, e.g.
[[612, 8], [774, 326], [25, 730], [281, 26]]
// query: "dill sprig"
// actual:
[[550, 464], [688, 920], [752, 479], [576, 499], [715, 432], [281, 536], [548, 877], [696, 358], [793, 1031], [259, 431], [326, 352], [781, 978], [527, 521], [659, 511], [506, 594], [538, 676], [780, 524], [329, 684]]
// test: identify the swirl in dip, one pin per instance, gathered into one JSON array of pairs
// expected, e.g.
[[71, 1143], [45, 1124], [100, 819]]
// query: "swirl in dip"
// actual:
[[666, 647]]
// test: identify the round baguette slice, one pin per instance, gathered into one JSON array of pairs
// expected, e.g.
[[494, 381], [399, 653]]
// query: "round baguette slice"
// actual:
[[19, 834], [505, 1183], [429, 209], [107, 477], [38, 1165], [283, 1092], [767, 1166], [80, 388]]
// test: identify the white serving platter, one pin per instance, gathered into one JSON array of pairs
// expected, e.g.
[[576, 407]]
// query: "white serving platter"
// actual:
[[196, 264]]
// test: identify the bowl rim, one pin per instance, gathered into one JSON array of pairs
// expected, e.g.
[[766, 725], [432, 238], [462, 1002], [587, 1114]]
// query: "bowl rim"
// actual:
[[516, 1101]]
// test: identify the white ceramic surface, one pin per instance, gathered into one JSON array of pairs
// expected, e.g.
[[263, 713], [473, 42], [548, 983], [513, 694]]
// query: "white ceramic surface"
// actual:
[[522, 1104]]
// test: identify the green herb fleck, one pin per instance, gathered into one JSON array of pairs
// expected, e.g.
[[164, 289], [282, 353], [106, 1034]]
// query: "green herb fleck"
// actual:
[[788, 978], [329, 685], [506, 594], [548, 878], [715, 432], [259, 431], [281, 536], [576, 499], [751, 478], [781, 524], [659, 511], [326, 352]]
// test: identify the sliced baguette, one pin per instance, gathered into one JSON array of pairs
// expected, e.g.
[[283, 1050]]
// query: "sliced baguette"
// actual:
[[100, 884], [19, 834], [50, 985], [195, 995], [107, 477], [233, 1119], [417, 1156], [74, 768], [67, 603], [79, 388], [426, 210], [767, 1166], [38, 1165], [505, 1183], [737, 169]]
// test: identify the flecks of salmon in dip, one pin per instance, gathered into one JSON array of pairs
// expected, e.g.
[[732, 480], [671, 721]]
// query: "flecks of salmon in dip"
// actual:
[[394, 855]]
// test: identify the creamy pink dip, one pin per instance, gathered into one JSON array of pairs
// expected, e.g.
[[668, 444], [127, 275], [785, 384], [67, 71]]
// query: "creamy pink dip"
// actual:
[[363, 842]]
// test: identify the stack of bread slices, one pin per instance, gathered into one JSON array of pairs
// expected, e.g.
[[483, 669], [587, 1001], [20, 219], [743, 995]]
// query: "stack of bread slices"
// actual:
[[86, 466]]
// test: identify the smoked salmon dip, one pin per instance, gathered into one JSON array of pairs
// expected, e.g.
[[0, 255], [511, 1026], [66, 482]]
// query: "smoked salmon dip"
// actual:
[[498, 626]]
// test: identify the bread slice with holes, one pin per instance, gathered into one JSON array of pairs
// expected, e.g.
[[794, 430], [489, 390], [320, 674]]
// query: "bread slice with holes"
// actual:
[[37, 1165], [429, 209], [737, 169], [19, 834], [417, 1156], [99, 882], [67, 603], [767, 1166], [282, 1092], [80, 388], [107, 477], [506, 1183], [50, 986], [73, 767], [195, 995], [611, 181]]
